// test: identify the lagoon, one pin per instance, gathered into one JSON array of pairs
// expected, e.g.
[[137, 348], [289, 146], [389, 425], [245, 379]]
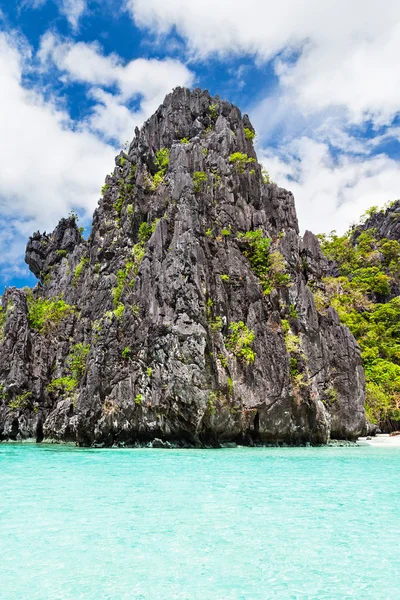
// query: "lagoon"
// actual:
[[237, 524]]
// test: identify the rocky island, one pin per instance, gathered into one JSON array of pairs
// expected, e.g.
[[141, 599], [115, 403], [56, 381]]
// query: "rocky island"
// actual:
[[188, 316]]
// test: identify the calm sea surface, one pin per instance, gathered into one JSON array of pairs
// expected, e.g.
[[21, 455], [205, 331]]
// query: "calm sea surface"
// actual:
[[199, 524]]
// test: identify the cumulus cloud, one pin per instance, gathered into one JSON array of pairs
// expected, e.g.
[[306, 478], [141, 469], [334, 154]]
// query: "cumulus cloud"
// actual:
[[48, 166], [73, 10], [83, 62], [147, 79], [346, 55], [331, 193], [111, 118]]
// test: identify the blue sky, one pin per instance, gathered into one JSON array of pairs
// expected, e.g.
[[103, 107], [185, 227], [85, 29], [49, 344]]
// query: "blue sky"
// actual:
[[319, 80]]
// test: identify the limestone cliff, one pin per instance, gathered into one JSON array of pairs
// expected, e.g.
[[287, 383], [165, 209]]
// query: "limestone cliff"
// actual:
[[385, 222], [186, 315], [363, 284]]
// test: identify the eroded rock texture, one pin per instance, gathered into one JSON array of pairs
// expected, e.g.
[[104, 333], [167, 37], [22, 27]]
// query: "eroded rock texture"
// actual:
[[152, 310], [386, 223]]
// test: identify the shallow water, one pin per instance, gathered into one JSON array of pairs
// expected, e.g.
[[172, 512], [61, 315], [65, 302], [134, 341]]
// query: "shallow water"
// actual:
[[249, 524]]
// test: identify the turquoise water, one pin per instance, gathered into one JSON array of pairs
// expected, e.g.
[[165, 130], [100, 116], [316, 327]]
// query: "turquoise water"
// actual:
[[236, 524]]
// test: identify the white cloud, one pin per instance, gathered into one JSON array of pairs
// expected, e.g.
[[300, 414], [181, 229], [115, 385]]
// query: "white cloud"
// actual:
[[48, 166], [361, 75], [331, 194], [224, 26], [147, 79], [349, 52], [111, 118], [83, 62], [71, 9]]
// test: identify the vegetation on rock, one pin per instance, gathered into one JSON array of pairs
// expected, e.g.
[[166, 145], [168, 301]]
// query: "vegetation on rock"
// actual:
[[268, 266], [76, 364], [240, 161], [249, 133], [45, 314], [240, 340], [21, 401], [369, 268], [213, 109], [79, 268], [199, 178]]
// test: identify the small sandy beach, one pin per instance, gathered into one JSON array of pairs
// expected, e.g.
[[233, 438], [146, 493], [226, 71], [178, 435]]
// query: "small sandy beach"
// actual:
[[381, 440]]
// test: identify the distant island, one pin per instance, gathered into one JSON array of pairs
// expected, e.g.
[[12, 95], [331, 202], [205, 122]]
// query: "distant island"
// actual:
[[195, 314]]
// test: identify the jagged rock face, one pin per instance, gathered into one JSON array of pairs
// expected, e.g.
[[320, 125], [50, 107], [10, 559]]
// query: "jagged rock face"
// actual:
[[45, 251], [386, 223], [156, 307]]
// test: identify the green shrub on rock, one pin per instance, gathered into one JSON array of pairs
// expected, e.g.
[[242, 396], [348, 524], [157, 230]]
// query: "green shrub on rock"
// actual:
[[138, 399], [126, 352], [211, 403], [265, 176], [269, 267], [63, 385], [249, 133], [76, 365], [239, 341], [79, 268], [162, 159], [213, 110], [216, 324], [145, 231], [45, 314], [21, 401], [240, 160], [368, 268], [199, 178], [76, 360]]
